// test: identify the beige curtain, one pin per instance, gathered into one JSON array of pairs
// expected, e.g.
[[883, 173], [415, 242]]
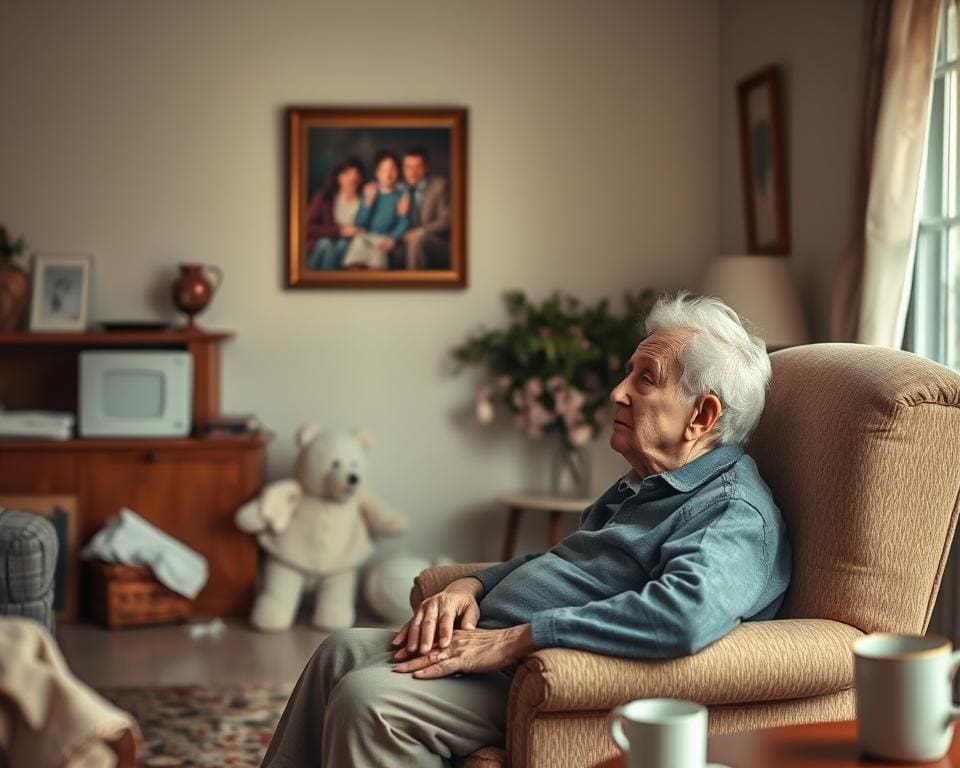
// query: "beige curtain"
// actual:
[[873, 282]]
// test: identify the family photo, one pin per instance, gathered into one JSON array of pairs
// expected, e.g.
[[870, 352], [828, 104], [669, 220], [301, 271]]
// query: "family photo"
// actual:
[[378, 197]]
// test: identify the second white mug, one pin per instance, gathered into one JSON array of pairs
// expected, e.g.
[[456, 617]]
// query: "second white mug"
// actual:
[[661, 733], [905, 708]]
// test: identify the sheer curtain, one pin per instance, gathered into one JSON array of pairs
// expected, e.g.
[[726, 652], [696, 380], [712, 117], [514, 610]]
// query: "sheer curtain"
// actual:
[[873, 282]]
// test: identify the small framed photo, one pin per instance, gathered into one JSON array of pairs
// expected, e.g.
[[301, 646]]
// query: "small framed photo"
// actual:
[[61, 292], [61, 511], [377, 197], [762, 160]]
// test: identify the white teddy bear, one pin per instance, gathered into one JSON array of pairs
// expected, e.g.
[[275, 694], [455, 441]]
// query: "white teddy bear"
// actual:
[[316, 529]]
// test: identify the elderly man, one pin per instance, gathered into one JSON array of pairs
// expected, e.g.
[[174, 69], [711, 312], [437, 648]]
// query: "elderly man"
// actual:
[[668, 560]]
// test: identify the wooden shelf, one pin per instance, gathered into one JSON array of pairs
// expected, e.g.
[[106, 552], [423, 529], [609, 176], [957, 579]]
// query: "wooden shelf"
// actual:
[[112, 339], [146, 443], [190, 487], [39, 371]]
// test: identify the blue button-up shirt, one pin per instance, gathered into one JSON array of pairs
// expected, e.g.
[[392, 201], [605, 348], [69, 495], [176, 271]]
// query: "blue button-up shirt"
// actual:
[[659, 567]]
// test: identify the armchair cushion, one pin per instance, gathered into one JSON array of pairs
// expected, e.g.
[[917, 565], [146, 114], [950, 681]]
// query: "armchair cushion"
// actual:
[[758, 661]]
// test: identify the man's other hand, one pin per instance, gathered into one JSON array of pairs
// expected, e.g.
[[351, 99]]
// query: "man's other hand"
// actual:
[[437, 616], [473, 650]]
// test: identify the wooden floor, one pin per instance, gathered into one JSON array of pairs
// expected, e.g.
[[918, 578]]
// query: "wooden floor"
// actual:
[[170, 656]]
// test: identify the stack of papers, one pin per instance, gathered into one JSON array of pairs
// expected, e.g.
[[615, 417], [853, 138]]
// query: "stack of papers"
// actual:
[[36, 424]]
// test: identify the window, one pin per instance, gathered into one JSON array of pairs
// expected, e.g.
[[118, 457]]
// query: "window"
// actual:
[[933, 321]]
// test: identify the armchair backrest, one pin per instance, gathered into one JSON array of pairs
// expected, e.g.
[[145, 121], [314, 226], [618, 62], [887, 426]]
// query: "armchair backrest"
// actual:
[[861, 447]]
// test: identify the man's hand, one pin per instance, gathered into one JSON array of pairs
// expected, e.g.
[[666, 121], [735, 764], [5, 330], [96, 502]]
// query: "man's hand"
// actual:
[[386, 244], [473, 650], [437, 616]]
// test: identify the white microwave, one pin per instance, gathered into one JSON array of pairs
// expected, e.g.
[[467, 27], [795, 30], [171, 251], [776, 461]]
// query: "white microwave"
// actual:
[[127, 393]]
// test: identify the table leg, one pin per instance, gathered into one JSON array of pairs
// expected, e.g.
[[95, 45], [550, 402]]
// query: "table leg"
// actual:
[[510, 540], [553, 529]]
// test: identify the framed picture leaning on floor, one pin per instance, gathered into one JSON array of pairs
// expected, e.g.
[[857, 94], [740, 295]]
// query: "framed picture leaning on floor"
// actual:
[[61, 511]]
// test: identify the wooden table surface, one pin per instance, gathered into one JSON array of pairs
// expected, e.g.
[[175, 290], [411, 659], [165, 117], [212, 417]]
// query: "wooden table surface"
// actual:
[[821, 744]]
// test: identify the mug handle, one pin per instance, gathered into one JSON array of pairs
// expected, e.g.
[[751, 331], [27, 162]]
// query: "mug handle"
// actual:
[[216, 274], [954, 666], [615, 725]]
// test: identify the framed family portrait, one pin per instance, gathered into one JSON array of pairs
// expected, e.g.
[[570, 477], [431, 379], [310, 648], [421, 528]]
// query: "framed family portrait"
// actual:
[[60, 294], [61, 511], [377, 197], [762, 161]]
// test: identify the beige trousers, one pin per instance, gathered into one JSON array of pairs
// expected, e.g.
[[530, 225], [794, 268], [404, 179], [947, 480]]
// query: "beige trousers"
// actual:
[[350, 709]]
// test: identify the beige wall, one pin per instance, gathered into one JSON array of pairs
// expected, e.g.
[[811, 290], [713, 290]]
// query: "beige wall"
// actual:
[[148, 133], [817, 45]]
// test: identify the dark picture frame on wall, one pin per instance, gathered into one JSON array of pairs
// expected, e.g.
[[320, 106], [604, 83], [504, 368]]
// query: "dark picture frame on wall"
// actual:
[[762, 163], [376, 197]]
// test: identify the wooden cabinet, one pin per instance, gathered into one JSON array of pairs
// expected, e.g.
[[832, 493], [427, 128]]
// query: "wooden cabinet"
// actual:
[[188, 487]]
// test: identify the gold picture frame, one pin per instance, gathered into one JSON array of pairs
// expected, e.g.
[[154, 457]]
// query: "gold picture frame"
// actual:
[[376, 197]]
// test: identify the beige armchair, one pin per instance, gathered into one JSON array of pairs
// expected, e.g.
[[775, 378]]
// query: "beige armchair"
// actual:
[[861, 447]]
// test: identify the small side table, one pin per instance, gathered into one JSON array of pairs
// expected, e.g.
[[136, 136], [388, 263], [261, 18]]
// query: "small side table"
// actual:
[[555, 506]]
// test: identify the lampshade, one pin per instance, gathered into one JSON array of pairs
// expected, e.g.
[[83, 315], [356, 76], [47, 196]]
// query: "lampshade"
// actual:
[[760, 289]]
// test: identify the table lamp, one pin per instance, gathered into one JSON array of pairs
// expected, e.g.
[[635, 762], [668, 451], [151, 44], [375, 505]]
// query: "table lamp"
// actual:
[[761, 289]]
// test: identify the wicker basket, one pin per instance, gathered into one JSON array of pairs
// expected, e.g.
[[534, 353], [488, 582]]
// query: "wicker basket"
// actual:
[[130, 596]]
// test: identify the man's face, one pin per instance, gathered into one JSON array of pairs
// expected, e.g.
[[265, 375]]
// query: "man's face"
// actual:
[[648, 419], [414, 169]]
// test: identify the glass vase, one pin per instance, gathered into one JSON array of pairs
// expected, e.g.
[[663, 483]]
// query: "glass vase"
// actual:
[[570, 472]]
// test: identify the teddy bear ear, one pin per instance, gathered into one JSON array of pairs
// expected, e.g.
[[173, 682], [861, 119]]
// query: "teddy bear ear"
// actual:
[[307, 433], [365, 439]]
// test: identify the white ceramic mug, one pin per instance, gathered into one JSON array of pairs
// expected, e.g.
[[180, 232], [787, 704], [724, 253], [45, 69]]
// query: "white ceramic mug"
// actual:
[[905, 708], [661, 733]]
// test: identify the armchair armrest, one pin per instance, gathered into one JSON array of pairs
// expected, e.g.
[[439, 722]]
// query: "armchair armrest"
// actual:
[[758, 661], [435, 579]]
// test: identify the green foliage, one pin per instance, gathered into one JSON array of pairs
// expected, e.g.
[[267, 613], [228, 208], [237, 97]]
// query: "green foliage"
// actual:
[[554, 364], [9, 247]]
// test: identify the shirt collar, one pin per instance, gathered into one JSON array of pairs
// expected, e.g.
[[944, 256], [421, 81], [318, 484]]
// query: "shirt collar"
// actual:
[[704, 468], [630, 482]]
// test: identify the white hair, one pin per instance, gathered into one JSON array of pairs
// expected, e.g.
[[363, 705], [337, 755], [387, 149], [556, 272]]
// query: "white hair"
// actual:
[[721, 357]]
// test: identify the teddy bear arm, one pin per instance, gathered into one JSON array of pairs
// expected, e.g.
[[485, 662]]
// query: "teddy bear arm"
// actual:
[[272, 510], [380, 519]]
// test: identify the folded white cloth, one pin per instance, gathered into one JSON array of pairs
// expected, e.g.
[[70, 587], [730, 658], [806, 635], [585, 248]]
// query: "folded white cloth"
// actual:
[[131, 540], [48, 424]]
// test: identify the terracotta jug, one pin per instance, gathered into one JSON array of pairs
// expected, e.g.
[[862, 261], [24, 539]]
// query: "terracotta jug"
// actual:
[[194, 288], [14, 292]]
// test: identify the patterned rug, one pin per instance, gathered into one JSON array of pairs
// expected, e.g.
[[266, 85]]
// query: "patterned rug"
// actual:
[[192, 726]]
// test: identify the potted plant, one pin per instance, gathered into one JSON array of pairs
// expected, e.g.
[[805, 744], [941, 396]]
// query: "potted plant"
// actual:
[[552, 368], [14, 283]]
